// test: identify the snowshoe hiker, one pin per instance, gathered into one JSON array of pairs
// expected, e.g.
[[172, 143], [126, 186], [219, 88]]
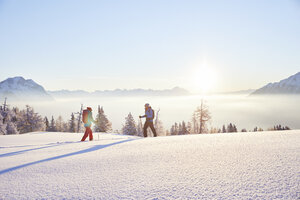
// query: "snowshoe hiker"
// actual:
[[87, 118], [149, 114]]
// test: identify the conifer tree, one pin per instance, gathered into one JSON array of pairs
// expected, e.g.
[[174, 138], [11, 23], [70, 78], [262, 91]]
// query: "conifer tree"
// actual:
[[172, 130], [46, 121], [2, 125], [11, 128], [175, 129], [59, 124], [129, 128], [189, 127], [184, 129], [223, 129], [229, 128], [72, 124], [29, 121], [180, 132], [158, 125], [139, 128], [102, 123], [52, 127], [234, 128]]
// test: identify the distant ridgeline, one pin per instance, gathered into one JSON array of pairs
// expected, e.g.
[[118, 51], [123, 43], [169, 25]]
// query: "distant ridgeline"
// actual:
[[20, 89], [118, 92], [290, 85]]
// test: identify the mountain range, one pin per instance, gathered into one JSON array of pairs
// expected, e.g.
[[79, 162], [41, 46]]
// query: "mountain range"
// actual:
[[290, 85], [18, 88], [176, 91]]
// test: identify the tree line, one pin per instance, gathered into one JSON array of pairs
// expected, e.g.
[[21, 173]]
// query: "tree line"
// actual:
[[199, 124], [16, 121]]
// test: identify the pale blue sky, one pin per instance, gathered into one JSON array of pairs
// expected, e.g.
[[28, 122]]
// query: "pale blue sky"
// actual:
[[155, 44]]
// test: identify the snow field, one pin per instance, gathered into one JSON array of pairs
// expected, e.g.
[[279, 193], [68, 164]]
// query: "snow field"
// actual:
[[262, 165]]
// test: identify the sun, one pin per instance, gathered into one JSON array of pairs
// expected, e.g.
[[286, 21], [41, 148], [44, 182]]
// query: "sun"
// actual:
[[204, 79]]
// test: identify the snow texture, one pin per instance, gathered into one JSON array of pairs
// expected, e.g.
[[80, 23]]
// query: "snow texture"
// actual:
[[262, 165]]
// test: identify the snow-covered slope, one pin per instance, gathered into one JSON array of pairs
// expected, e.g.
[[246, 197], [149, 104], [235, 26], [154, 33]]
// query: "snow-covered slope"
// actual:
[[264, 165], [290, 85], [18, 88]]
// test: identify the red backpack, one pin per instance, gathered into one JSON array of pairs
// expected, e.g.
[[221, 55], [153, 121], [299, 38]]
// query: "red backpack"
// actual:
[[85, 116]]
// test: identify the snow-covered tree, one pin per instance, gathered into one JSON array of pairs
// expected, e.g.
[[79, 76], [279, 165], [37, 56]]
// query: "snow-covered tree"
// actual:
[[174, 129], [180, 128], [11, 128], [102, 123], [139, 128], [129, 128], [8, 120], [184, 128], [189, 127], [2, 125], [195, 123], [280, 128], [158, 125], [223, 129], [231, 128], [234, 128], [29, 121], [46, 121], [59, 124], [72, 124], [52, 127]]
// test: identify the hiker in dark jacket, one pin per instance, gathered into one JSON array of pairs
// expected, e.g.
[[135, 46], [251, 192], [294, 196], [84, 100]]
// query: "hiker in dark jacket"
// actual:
[[88, 123], [149, 114]]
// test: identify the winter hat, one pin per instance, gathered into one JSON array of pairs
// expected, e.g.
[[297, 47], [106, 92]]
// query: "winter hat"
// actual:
[[89, 108], [147, 105]]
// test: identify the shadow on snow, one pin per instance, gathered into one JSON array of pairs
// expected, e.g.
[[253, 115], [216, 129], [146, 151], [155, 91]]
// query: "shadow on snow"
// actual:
[[26, 150], [91, 149]]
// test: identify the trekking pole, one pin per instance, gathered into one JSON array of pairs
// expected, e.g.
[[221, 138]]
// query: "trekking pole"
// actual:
[[98, 136]]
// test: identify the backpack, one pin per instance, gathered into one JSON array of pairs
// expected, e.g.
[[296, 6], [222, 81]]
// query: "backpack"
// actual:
[[85, 116], [153, 113]]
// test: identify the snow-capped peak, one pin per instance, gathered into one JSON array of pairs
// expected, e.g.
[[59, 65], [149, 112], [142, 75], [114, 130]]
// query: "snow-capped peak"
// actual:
[[290, 85], [19, 88]]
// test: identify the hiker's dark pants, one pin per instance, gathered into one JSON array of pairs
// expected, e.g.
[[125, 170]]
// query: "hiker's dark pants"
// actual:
[[149, 124]]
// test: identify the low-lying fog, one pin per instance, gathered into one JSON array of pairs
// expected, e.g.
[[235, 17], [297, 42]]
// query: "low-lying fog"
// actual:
[[244, 111]]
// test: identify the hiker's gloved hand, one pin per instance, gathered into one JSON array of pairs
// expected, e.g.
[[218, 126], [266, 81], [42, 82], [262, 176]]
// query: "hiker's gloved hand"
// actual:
[[140, 116]]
